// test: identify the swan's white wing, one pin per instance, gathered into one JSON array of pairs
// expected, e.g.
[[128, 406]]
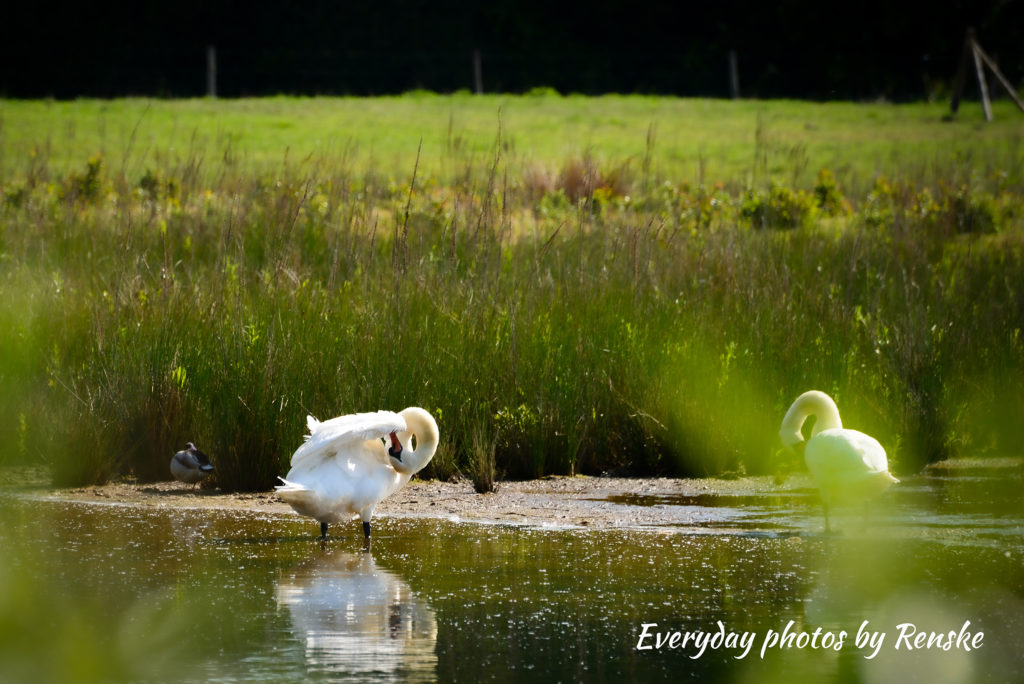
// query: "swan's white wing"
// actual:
[[841, 455], [337, 434]]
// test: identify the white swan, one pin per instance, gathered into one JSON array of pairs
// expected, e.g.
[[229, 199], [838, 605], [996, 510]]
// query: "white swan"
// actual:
[[846, 465], [190, 465], [344, 469]]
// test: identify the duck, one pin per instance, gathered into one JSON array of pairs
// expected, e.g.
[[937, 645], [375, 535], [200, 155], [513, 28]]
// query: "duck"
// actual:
[[190, 465], [846, 465], [348, 464]]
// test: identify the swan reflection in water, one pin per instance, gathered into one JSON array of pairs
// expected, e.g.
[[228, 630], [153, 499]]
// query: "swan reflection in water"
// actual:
[[359, 621]]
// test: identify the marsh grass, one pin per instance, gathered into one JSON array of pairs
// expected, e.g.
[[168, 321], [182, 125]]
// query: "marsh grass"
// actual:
[[582, 320]]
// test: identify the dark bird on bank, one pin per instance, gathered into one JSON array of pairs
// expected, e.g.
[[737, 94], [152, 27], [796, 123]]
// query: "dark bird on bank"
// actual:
[[190, 465]]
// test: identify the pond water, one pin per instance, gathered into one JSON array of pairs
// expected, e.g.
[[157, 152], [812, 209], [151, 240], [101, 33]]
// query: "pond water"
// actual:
[[115, 592]]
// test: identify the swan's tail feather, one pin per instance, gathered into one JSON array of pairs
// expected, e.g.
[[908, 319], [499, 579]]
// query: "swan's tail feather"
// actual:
[[289, 486], [312, 424], [297, 496]]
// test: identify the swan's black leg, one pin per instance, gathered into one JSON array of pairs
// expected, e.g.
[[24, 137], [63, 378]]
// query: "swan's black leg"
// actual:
[[366, 528], [323, 530]]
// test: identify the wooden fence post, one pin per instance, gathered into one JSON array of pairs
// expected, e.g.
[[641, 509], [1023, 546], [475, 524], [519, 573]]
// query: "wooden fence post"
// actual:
[[211, 71], [972, 50], [734, 75], [986, 106], [478, 72], [999, 76]]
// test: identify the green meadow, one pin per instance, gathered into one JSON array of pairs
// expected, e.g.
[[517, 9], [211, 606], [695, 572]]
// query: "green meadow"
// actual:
[[570, 284]]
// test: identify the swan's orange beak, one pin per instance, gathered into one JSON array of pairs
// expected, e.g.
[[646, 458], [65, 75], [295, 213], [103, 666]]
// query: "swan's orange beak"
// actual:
[[395, 451]]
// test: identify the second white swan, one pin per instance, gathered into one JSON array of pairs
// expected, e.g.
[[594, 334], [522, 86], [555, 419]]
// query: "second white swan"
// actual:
[[344, 468], [846, 465]]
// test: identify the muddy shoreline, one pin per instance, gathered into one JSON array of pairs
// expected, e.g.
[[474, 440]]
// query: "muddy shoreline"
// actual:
[[580, 502], [585, 502]]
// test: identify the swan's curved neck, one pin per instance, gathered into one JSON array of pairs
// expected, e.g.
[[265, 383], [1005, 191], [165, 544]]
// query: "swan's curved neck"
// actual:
[[813, 403], [422, 425]]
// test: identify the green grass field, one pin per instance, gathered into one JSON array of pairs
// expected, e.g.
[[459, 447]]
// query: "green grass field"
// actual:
[[570, 284], [686, 140]]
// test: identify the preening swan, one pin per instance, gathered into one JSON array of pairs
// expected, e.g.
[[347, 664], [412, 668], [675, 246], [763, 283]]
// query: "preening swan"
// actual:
[[846, 465], [190, 465], [344, 469]]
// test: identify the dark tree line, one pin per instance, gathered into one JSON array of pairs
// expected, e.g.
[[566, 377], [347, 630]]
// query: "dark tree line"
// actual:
[[787, 48]]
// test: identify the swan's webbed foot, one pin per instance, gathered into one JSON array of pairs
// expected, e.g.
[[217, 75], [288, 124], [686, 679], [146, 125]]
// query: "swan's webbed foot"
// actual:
[[366, 529], [323, 531]]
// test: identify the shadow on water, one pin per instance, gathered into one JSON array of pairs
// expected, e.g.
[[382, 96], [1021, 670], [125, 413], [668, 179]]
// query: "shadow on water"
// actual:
[[765, 514], [976, 505], [770, 500], [203, 595]]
